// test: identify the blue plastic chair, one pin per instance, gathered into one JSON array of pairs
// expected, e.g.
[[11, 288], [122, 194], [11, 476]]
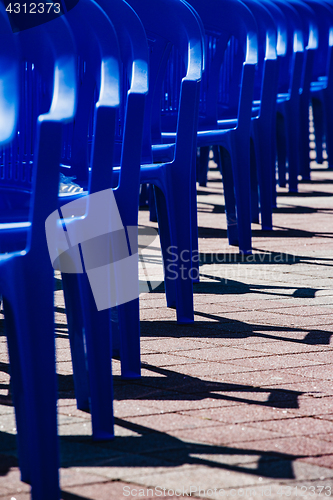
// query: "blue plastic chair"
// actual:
[[288, 99], [135, 69], [263, 113], [225, 112], [311, 45], [47, 101], [174, 35], [281, 52], [322, 84], [98, 112]]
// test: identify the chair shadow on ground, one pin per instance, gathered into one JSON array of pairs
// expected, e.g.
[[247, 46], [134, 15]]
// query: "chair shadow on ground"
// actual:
[[145, 447], [151, 448], [277, 232]]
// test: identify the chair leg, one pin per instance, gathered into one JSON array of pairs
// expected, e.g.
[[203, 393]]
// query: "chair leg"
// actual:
[[129, 328], [293, 145], [178, 264], [318, 120], [203, 166], [329, 127], [254, 184], [167, 250], [152, 204], [281, 148], [229, 196], [76, 338], [265, 167], [99, 356], [304, 140], [241, 169], [194, 230], [216, 156], [30, 330]]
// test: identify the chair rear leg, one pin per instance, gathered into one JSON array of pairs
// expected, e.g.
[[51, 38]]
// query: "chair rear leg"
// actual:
[[203, 166], [281, 144], [229, 196], [241, 170], [168, 252], [129, 336], [265, 167], [74, 313], [318, 120], [329, 127], [180, 269], [32, 356], [99, 355], [254, 185], [293, 146]]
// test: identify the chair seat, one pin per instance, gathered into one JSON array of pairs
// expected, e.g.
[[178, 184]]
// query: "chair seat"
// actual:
[[164, 152], [15, 204]]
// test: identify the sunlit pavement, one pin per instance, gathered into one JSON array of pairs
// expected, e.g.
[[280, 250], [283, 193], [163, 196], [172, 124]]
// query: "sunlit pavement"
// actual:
[[239, 404]]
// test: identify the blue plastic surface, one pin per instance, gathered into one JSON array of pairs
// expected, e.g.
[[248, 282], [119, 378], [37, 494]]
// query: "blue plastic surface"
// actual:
[[174, 35], [98, 104], [288, 99], [322, 84], [116, 148], [263, 115], [311, 53], [225, 105], [48, 56]]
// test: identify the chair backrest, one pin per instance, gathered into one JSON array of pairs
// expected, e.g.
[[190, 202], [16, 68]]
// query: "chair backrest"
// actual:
[[135, 80], [311, 41], [324, 18], [267, 45], [99, 87], [231, 45], [48, 52], [174, 35], [291, 65], [47, 91], [9, 90]]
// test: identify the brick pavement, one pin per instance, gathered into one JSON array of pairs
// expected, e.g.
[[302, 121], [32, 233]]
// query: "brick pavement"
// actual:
[[242, 400]]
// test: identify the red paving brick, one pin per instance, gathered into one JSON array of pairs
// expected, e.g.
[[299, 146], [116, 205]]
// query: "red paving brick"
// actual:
[[242, 396]]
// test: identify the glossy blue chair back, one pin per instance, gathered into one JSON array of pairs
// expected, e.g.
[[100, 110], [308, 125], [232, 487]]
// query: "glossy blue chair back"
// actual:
[[170, 26], [9, 91], [231, 40], [47, 53], [98, 71], [36, 93], [35, 96], [324, 18], [134, 58], [267, 46], [291, 65]]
